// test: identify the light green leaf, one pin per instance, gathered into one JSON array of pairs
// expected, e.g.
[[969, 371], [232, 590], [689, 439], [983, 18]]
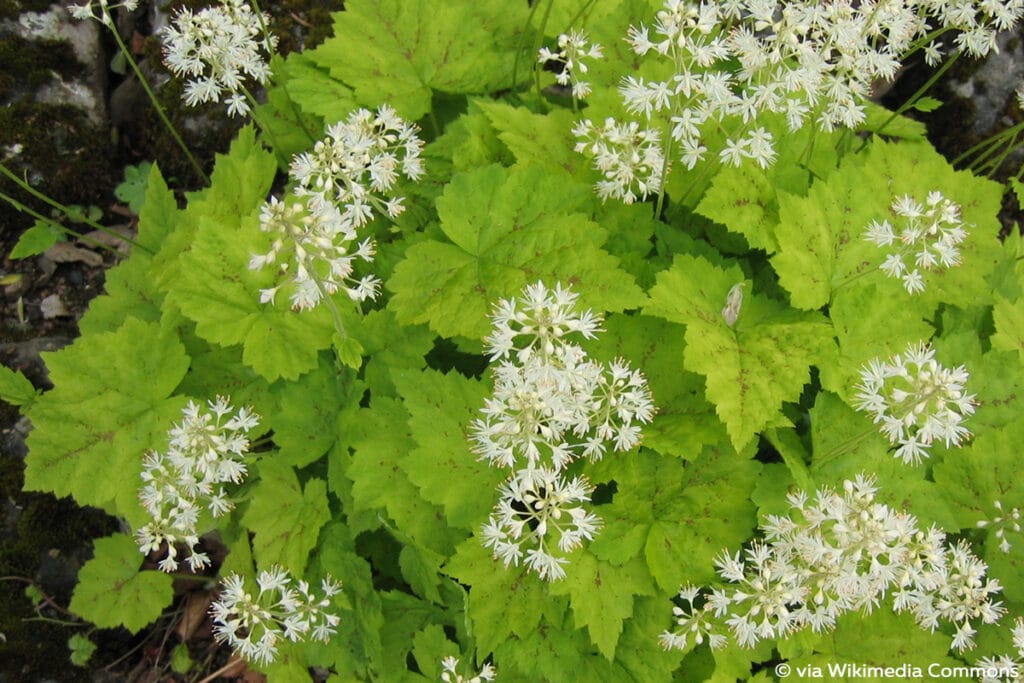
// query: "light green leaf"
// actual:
[[222, 296], [926, 104], [306, 423], [509, 228], [540, 139], [132, 189], [756, 365], [109, 405], [685, 421], [312, 88], [601, 596], [401, 52], [821, 236], [285, 517], [131, 288], [381, 441], [1009, 321], [442, 465], [502, 603], [37, 239], [111, 590], [15, 388], [680, 516], [81, 649]]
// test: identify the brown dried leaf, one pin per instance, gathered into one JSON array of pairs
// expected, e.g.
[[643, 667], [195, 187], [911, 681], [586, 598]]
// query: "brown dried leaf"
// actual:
[[65, 252], [194, 616]]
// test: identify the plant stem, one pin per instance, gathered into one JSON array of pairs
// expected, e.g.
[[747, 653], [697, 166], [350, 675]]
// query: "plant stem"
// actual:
[[64, 210], [152, 97], [916, 96]]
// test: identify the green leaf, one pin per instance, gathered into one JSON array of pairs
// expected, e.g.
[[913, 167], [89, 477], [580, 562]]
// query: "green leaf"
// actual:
[[502, 602], [753, 367], [131, 288], [306, 423], [430, 646], [81, 649], [442, 465], [381, 441], [357, 649], [285, 517], [540, 139], [315, 91], [680, 517], [685, 420], [926, 104], [601, 596], [1009, 321], [15, 388], [403, 51], [111, 590], [509, 228], [222, 295], [37, 239], [109, 405], [132, 190], [391, 348], [821, 236]]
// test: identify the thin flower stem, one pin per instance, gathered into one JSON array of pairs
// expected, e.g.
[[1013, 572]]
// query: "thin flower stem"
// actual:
[[63, 209], [152, 97], [282, 83], [253, 104], [67, 231], [946, 66]]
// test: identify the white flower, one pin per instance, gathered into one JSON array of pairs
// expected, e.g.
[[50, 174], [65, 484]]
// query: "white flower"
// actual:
[[573, 49], [1001, 523], [539, 513], [449, 673], [206, 449], [630, 159], [929, 236], [916, 400], [339, 187], [217, 49], [100, 10], [283, 608], [834, 554]]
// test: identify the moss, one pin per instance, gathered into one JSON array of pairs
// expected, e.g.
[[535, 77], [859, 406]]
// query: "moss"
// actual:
[[28, 64]]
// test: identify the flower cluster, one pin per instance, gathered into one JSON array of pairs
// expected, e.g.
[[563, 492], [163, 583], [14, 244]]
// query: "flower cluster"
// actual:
[[930, 234], [573, 48], [339, 186], [916, 400], [1006, 667], [551, 406], [206, 451], [838, 553], [217, 49], [450, 675], [630, 159], [728, 64], [283, 608], [1001, 523], [100, 10]]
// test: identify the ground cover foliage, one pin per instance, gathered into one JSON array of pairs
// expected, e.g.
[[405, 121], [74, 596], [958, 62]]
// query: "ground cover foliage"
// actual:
[[610, 367]]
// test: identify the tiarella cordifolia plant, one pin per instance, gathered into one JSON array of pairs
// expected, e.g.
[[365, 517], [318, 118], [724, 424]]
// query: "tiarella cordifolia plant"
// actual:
[[551, 405], [916, 401], [206, 450], [218, 49], [929, 233], [283, 609], [834, 554], [338, 188], [463, 447]]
